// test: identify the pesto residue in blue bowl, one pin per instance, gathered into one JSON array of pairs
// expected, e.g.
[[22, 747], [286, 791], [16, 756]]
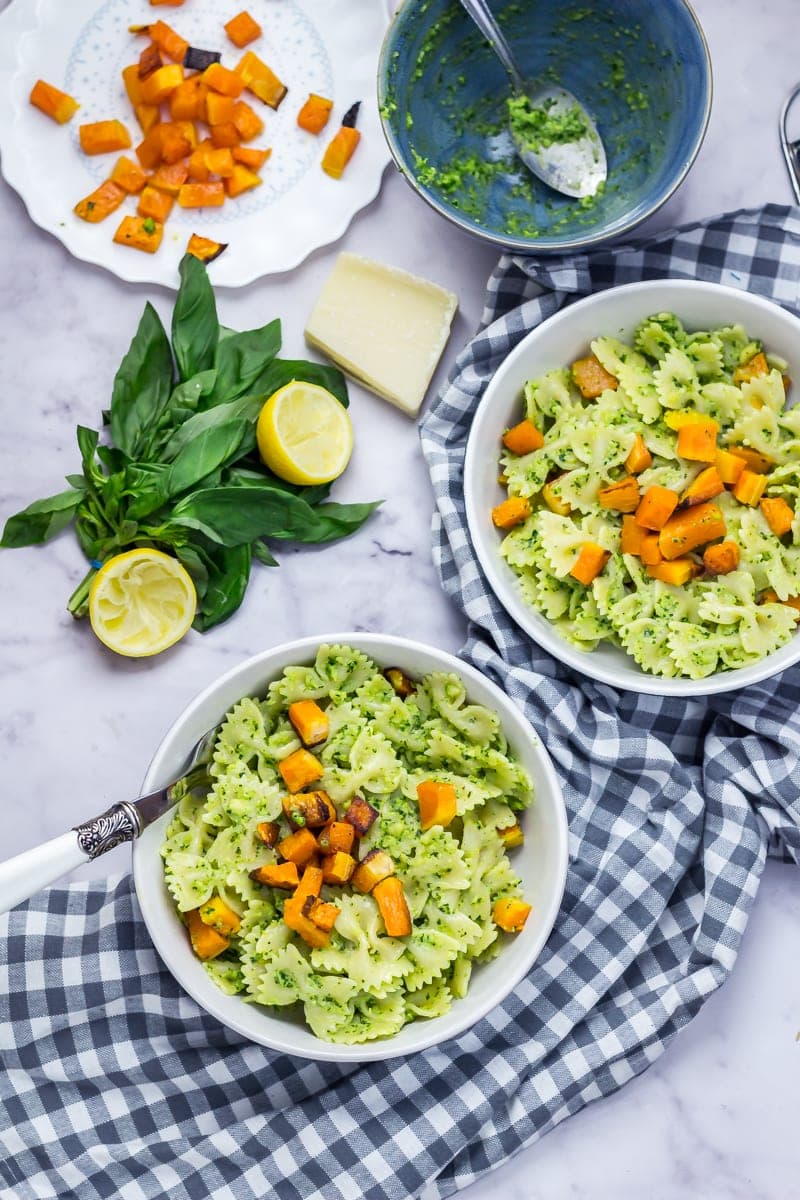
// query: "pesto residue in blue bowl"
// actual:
[[445, 104]]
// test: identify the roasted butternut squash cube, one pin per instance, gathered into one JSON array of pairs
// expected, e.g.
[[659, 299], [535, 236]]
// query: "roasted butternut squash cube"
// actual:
[[510, 914], [241, 180], [754, 460], [128, 175], [278, 875], [155, 204], [704, 486], [101, 137], [220, 916], [589, 563], [361, 815], [729, 466], [259, 79], [206, 249], [299, 769], [511, 836], [551, 494], [220, 79], [678, 572], [393, 906], [523, 438], [299, 847], [721, 558], [755, 366], [639, 457], [242, 29], [248, 123], [219, 109], [140, 233], [100, 203], [338, 836], [170, 177], [656, 507], [687, 530], [268, 832], [779, 516], [311, 810], [206, 942], [511, 512], [749, 487], [622, 496], [338, 867], [202, 195], [697, 441], [310, 722], [374, 867], [54, 103], [315, 113], [159, 86], [437, 803], [591, 378], [250, 157], [323, 914], [403, 685]]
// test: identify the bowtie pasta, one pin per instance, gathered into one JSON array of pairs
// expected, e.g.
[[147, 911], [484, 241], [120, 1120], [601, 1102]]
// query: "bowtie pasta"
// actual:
[[351, 857], [653, 499]]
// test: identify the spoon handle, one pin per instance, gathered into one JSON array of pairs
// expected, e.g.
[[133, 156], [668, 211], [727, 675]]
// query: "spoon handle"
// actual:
[[484, 18]]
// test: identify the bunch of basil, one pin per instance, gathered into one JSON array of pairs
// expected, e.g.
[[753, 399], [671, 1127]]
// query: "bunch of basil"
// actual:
[[182, 472]]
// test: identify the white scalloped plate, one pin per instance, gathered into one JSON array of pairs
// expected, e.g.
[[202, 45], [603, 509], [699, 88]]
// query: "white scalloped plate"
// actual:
[[325, 46]]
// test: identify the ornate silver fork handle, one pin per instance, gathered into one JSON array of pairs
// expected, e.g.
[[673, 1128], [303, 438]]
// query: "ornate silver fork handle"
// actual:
[[21, 877]]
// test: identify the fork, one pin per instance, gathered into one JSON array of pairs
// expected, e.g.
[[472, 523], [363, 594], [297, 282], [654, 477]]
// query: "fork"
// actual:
[[25, 874]]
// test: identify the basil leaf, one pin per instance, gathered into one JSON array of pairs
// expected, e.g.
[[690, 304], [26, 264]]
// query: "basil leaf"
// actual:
[[283, 370], [334, 521], [240, 515], [226, 586], [208, 451], [263, 555], [87, 444], [195, 328], [112, 459], [190, 392], [142, 385], [41, 520], [76, 481], [241, 358], [146, 485], [246, 407]]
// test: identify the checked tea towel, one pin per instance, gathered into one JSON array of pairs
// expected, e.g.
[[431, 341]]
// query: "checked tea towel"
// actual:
[[114, 1083]]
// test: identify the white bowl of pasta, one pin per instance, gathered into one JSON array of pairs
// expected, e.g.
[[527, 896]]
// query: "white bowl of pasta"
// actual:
[[322, 965], [641, 455]]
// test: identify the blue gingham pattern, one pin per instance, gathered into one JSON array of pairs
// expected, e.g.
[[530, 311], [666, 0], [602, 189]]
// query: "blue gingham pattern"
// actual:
[[113, 1083]]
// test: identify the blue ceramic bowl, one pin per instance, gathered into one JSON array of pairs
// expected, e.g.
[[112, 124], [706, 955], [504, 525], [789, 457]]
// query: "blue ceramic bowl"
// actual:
[[642, 70]]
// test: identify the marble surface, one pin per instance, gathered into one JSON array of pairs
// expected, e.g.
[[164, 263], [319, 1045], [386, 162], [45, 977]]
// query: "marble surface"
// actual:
[[716, 1116]]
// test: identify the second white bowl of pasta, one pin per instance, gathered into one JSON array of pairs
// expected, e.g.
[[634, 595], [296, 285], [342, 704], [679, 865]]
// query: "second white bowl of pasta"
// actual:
[[631, 482], [379, 860]]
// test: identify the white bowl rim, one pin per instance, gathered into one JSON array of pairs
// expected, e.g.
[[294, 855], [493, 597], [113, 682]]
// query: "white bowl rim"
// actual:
[[428, 1035], [629, 677]]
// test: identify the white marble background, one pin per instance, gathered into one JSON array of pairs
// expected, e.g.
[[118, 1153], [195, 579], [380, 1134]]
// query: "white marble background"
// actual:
[[716, 1117]]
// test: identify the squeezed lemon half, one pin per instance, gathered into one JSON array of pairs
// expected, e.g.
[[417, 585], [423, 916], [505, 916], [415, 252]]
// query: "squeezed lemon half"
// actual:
[[141, 602], [304, 434]]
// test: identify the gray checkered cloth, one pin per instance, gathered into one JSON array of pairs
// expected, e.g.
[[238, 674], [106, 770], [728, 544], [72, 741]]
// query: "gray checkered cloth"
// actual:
[[114, 1083]]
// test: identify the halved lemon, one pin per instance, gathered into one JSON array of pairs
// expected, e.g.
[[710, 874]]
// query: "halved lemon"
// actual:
[[304, 434], [141, 602]]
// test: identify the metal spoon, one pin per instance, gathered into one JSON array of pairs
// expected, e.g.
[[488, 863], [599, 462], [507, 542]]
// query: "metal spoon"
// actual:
[[576, 168]]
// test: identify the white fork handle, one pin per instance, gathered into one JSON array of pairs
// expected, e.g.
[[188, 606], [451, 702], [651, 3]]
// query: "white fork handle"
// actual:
[[25, 875]]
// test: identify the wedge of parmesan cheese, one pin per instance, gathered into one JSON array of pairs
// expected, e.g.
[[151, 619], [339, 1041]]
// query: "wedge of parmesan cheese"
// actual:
[[385, 327]]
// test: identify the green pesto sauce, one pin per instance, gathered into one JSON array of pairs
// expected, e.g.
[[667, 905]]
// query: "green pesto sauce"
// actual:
[[476, 183], [539, 127]]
